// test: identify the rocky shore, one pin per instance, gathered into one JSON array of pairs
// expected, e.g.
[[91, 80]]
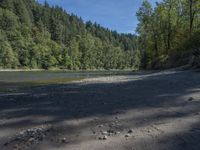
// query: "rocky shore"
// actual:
[[144, 111]]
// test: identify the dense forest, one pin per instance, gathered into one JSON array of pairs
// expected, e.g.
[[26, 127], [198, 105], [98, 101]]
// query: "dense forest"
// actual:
[[168, 33], [34, 35]]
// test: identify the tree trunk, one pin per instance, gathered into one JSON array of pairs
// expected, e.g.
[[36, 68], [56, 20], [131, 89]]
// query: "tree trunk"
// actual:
[[169, 29], [192, 15]]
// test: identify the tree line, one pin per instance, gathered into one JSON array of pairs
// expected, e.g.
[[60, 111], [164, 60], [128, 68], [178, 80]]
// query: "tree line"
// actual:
[[168, 33], [34, 35]]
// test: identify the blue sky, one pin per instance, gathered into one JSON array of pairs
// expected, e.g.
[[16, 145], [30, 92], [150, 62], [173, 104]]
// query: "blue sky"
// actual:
[[116, 15]]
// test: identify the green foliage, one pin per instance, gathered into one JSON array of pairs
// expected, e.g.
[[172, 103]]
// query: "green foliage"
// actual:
[[40, 36], [7, 56], [168, 33], [75, 54], [9, 20]]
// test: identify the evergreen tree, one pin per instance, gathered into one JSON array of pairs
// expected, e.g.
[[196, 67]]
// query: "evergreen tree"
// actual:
[[41, 36], [7, 56]]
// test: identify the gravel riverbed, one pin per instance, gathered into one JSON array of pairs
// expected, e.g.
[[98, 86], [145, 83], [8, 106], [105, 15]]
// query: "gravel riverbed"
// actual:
[[143, 111]]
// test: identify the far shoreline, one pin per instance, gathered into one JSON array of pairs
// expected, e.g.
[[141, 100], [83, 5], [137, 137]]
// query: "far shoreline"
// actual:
[[20, 70], [65, 70]]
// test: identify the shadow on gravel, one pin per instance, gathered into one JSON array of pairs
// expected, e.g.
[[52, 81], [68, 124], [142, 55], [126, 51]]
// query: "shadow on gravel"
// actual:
[[186, 141], [54, 104]]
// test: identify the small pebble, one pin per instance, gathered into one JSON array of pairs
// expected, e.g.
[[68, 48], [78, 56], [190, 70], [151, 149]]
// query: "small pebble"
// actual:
[[16, 146], [130, 131], [110, 131], [31, 140], [127, 135], [100, 126], [64, 140], [105, 137], [190, 99], [104, 132], [117, 132], [198, 113]]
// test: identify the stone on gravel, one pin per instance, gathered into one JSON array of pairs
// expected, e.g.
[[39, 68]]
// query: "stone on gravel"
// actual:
[[105, 137], [198, 113], [190, 99], [28, 137], [16, 147], [127, 135], [111, 131], [31, 140], [100, 126], [117, 132], [130, 131], [104, 132], [64, 140]]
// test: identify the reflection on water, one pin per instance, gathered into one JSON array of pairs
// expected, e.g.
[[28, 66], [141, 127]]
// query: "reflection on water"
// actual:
[[52, 75]]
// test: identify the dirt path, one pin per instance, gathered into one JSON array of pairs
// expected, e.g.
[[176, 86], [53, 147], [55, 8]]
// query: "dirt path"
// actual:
[[145, 111]]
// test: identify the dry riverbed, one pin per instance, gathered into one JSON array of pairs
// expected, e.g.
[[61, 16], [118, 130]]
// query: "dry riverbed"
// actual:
[[144, 111]]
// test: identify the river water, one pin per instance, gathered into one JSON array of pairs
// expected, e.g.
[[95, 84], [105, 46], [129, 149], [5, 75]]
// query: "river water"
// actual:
[[54, 75]]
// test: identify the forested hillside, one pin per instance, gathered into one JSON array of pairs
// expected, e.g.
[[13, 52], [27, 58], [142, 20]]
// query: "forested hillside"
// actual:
[[33, 35], [169, 32], [40, 36]]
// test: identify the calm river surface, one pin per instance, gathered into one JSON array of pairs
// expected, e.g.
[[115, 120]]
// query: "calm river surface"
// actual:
[[27, 76]]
